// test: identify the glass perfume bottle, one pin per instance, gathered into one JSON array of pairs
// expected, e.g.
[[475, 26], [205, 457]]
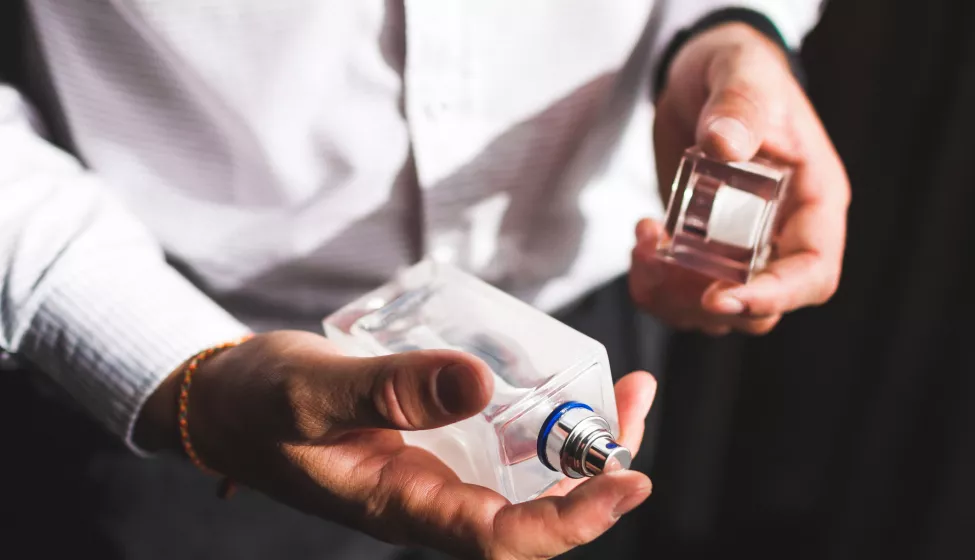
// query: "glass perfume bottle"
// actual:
[[553, 411], [721, 217]]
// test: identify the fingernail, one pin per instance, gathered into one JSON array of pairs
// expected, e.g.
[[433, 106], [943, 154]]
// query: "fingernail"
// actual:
[[733, 131], [730, 305], [647, 232], [629, 502], [453, 383]]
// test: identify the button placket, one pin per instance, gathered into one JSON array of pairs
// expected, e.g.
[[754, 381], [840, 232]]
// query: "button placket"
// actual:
[[433, 82]]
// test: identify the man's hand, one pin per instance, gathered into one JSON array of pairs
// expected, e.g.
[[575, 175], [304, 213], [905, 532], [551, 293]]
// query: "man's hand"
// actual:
[[287, 414], [730, 91]]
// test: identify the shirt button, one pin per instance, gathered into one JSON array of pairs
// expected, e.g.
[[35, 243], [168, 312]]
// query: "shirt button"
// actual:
[[436, 109], [443, 254]]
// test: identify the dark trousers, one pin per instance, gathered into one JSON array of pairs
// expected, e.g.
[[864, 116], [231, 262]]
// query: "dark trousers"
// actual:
[[70, 488]]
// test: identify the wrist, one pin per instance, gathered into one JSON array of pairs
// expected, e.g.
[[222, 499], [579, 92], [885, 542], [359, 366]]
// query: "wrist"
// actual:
[[726, 27], [731, 43], [156, 428]]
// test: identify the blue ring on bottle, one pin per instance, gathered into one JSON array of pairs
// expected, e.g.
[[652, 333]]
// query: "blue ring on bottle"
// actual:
[[549, 424]]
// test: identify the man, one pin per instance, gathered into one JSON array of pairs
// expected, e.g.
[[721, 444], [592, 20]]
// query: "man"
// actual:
[[253, 166]]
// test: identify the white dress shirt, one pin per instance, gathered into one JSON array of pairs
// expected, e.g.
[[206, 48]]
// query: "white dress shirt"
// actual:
[[286, 156]]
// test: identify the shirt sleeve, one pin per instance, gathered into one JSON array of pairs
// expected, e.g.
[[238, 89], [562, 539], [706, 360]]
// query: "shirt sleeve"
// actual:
[[86, 295], [794, 19]]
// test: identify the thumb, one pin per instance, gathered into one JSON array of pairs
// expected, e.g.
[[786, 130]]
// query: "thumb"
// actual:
[[649, 232], [410, 391], [734, 120]]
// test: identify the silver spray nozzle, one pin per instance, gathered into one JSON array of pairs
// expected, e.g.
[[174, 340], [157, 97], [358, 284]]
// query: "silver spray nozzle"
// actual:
[[578, 442]]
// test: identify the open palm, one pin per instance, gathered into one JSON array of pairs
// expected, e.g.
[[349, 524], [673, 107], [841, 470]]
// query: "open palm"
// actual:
[[404, 494]]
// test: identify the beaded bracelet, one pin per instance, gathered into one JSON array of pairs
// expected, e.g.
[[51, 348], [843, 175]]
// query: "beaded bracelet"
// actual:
[[227, 486]]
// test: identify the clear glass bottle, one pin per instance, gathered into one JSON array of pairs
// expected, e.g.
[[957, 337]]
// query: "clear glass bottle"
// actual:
[[721, 217], [553, 412]]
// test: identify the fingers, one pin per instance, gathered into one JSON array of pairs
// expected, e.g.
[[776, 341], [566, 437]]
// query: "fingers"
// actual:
[[811, 243], [404, 494], [648, 272], [408, 391], [751, 104], [810, 246], [687, 300], [406, 502], [789, 284], [373, 482], [548, 527], [670, 292], [649, 232], [652, 272], [719, 298], [734, 120], [634, 397]]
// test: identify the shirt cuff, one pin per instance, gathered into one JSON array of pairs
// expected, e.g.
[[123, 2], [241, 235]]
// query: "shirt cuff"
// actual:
[[110, 339]]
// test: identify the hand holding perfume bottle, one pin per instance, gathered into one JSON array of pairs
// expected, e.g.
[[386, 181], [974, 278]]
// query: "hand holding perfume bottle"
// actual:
[[287, 413], [553, 411], [747, 103], [741, 243], [722, 217]]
